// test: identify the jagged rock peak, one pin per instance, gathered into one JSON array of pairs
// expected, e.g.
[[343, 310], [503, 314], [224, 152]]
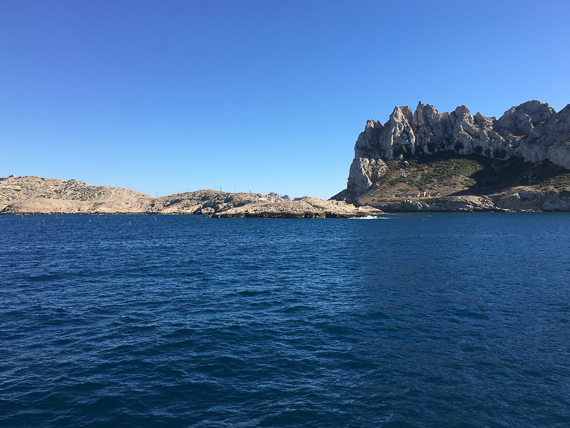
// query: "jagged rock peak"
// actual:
[[532, 130], [373, 124]]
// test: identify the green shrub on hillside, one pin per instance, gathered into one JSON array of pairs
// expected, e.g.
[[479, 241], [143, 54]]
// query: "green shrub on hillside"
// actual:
[[404, 151]]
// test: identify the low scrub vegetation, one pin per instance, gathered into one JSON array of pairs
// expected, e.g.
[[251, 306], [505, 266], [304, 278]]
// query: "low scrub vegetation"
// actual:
[[448, 173]]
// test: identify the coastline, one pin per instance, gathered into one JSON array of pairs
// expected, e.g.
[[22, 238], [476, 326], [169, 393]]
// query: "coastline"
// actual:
[[33, 195]]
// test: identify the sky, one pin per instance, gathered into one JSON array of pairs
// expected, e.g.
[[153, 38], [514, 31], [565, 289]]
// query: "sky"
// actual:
[[253, 95]]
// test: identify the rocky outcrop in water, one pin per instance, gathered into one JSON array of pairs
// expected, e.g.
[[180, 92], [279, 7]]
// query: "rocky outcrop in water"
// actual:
[[533, 131], [305, 207], [37, 195]]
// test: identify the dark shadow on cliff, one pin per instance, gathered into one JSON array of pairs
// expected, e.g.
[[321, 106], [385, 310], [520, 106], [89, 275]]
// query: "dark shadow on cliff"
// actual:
[[498, 176]]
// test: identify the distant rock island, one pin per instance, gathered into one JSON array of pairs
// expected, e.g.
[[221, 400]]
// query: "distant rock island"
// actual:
[[37, 195], [431, 161]]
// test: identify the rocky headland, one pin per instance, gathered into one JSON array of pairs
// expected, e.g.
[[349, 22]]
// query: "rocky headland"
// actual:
[[430, 161], [38, 195]]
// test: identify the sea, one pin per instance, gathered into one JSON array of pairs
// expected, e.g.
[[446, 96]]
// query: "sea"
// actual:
[[398, 320]]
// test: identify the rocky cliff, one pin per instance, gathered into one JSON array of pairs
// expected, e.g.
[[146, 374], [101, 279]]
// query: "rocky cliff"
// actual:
[[532, 131]]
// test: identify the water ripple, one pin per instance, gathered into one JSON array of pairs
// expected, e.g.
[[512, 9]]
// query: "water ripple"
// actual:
[[423, 320]]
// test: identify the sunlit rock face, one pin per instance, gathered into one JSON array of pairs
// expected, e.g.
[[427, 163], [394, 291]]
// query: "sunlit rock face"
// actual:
[[532, 130]]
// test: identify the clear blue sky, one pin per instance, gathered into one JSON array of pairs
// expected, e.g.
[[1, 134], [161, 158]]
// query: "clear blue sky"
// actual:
[[165, 96]]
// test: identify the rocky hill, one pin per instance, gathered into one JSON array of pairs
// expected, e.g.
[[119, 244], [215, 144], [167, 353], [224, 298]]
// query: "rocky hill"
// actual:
[[305, 207], [32, 194], [37, 195], [427, 154]]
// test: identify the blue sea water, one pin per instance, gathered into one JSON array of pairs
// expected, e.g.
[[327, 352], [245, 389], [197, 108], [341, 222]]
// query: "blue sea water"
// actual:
[[407, 320]]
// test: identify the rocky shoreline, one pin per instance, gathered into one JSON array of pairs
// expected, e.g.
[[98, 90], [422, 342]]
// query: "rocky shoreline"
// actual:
[[522, 201], [37, 195], [305, 207]]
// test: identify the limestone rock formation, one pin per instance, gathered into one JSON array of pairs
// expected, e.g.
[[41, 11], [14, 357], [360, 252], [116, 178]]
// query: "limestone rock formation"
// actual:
[[33, 194], [532, 130], [37, 195], [305, 207]]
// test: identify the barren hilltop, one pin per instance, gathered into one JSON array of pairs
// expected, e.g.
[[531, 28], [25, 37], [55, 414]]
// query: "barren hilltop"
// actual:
[[37, 195]]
